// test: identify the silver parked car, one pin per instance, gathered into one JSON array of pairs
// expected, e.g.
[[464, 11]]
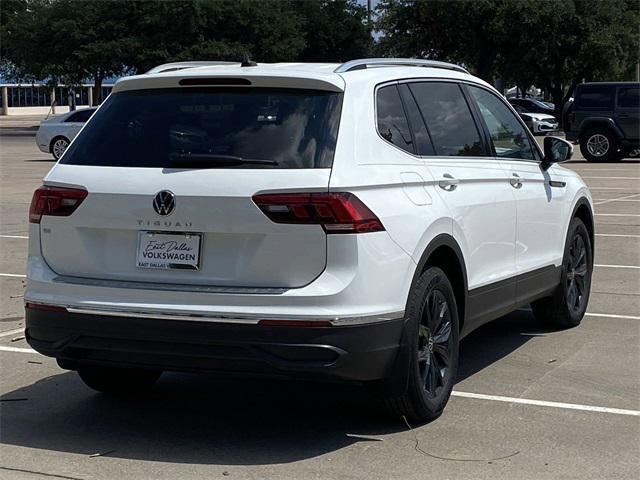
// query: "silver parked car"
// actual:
[[538, 123], [55, 133]]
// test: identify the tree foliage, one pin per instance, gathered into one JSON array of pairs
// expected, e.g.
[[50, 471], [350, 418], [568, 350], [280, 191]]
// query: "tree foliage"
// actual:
[[70, 41], [554, 44]]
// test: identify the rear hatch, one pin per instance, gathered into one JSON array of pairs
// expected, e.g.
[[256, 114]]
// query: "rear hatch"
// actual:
[[170, 175]]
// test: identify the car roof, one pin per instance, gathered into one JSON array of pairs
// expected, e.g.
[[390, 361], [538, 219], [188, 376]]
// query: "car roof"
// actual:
[[321, 76]]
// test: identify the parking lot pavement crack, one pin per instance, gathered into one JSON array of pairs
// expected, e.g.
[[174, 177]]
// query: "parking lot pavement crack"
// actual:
[[34, 472], [419, 449]]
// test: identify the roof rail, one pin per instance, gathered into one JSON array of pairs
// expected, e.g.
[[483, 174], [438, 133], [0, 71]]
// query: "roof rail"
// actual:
[[362, 63], [175, 66]]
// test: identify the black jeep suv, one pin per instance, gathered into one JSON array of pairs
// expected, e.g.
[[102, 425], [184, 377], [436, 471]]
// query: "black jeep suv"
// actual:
[[605, 119]]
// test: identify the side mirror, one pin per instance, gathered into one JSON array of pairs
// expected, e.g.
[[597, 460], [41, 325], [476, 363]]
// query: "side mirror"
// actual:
[[556, 150]]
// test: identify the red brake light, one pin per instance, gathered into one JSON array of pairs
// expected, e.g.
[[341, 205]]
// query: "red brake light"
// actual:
[[45, 307], [336, 212], [56, 201]]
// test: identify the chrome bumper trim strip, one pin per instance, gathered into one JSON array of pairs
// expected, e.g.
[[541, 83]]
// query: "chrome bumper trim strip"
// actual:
[[232, 319]]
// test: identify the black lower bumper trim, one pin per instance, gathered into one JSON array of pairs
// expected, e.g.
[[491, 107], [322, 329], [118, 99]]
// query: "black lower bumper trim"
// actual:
[[359, 353]]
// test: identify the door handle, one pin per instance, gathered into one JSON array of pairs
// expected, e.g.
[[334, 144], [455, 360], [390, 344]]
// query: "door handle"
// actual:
[[448, 183], [516, 181]]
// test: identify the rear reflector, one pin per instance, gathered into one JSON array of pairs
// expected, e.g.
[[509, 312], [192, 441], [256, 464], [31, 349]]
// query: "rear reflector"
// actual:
[[295, 323], [336, 212], [45, 307], [56, 201]]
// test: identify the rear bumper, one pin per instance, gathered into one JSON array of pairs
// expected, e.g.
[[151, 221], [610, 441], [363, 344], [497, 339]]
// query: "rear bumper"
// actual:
[[356, 354]]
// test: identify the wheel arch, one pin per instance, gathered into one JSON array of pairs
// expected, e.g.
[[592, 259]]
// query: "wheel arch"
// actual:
[[445, 253], [584, 212], [601, 122]]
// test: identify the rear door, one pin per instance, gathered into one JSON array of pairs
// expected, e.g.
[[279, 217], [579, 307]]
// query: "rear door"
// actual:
[[540, 195], [171, 174], [627, 113], [471, 183]]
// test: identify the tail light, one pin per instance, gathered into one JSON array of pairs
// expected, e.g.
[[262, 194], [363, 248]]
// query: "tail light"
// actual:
[[45, 307], [57, 201], [336, 212]]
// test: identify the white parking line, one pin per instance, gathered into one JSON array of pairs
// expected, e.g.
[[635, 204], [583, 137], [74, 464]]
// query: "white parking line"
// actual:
[[16, 275], [8, 333], [617, 214], [616, 199], [616, 178], [543, 403], [477, 396], [616, 266], [17, 350], [616, 235], [14, 236], [623, 199], [624, 317]]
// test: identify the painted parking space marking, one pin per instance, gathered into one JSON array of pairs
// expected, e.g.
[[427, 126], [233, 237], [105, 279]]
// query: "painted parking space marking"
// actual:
[[15, 236], [617, 266], [611, 315], [477, 396], [4, 348], [8, 333], [544, 403], [616, 235], [13, 275], [614, 178], [617, 199], [617, 214]]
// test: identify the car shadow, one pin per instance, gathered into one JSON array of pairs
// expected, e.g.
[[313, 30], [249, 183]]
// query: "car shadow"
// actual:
[[200, 419]]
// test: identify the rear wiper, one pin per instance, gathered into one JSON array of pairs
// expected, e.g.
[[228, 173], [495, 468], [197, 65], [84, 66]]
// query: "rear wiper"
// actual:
[[200, 158]]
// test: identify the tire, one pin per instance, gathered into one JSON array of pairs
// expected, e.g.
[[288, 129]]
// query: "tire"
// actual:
[[58, 146], [568, 304], [118, 380], [599, 145], [432, 320]]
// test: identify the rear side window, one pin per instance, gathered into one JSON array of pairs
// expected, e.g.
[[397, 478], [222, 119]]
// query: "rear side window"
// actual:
[[212, 128], [448, 117], [392, 120], [509, 138], [629, 97], [595, 97], [81, 116]]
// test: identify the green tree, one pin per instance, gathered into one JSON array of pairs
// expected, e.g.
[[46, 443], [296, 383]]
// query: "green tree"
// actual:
[[554, 44], [334, 31]]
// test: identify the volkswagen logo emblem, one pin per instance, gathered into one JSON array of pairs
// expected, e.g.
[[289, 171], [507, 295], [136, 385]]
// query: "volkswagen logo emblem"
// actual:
[[164, 203]]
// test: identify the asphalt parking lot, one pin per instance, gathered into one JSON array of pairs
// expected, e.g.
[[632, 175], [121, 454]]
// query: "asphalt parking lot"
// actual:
[[528, 403]]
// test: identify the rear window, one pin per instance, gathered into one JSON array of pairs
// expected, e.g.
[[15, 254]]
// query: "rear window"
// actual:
[[211, 128], [595, 97]]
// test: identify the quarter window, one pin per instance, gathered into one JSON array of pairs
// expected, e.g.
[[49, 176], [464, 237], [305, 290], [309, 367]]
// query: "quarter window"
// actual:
[[449, 121], [629, 97], [509, 138], [392, 120]]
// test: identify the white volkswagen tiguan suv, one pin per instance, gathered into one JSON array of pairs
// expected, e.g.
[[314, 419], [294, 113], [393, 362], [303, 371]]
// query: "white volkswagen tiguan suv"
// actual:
[[334, 222]]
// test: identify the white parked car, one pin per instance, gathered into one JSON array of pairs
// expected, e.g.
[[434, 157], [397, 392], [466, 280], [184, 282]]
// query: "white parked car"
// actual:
[[55, 133], [332, 222], [538, 123]]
